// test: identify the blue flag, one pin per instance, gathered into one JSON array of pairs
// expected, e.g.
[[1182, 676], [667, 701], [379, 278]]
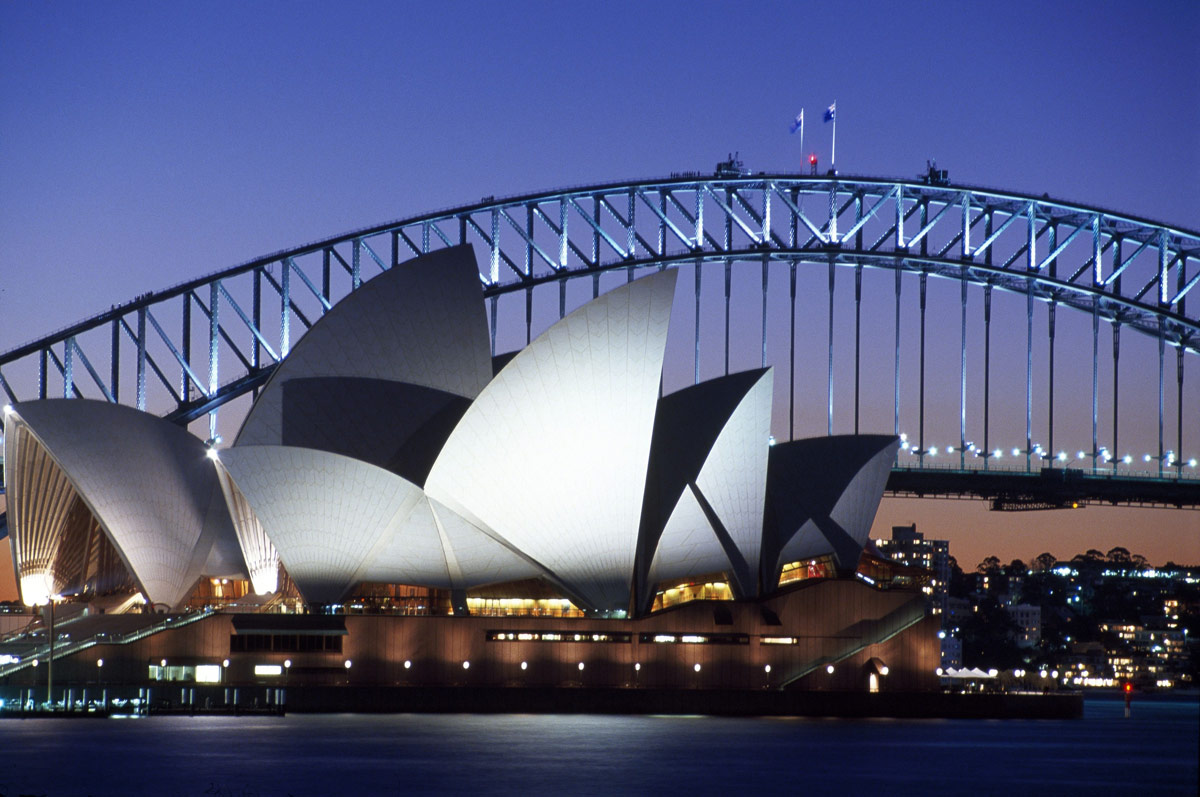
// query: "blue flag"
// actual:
[[830, 112], [798, 124]]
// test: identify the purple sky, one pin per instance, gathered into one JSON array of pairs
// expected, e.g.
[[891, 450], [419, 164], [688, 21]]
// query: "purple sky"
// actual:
[[148, 143]]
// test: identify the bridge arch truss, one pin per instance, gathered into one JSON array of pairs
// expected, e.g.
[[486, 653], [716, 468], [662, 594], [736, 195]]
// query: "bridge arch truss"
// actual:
[[185, 351]]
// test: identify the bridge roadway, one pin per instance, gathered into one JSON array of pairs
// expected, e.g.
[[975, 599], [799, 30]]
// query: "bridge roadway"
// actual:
[[1050, 488]]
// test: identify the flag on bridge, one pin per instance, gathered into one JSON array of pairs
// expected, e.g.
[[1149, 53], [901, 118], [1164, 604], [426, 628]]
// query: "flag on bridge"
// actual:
[[831, 112], [798, 124]]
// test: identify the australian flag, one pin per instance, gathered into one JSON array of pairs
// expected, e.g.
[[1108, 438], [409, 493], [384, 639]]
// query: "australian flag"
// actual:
[[831, 112], [798, 124]]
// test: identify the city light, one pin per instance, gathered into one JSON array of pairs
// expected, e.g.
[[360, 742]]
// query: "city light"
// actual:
[[829, 669], [696, 667], [466, 665], [407, 664]]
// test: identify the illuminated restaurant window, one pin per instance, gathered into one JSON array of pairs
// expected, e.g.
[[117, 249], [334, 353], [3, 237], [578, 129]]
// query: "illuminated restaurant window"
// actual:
[[711, 587]]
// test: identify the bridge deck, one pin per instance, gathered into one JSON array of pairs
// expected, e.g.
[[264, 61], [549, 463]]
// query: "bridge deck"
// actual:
[[1051, 488]]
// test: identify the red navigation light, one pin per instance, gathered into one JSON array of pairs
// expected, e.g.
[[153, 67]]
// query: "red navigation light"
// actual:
[[812, 159], [1128, 687]]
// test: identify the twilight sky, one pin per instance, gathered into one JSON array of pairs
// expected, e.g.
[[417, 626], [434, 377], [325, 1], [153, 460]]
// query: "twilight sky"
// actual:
[[148, 143]]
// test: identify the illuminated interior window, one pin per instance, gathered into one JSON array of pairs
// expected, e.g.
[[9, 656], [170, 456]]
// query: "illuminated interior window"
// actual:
[[694, 639], [713, 587], [404, 599], [172, 673], [818, 567], [522, 607], [208, 673], [525, 598], [558, 636]]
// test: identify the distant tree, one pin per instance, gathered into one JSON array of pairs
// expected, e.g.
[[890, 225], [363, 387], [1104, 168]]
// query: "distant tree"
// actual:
[[1118, 556], [1017, 568], [1092, 555], [1140, 562], [989, 565], [1043, 562], [959, 587]]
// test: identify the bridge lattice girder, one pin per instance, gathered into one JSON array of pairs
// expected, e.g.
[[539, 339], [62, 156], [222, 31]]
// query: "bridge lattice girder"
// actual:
[[1119, 268]]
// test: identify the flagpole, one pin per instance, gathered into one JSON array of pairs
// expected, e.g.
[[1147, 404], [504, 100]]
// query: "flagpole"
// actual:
[[801, 139], [833, 153]]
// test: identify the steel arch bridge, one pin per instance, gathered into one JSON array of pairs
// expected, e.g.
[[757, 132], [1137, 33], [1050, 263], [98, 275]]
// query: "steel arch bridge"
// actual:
[[186, 351]]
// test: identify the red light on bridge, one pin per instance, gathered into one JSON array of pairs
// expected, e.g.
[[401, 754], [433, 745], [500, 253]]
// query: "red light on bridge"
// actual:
[[1128, 687], [812, 159]]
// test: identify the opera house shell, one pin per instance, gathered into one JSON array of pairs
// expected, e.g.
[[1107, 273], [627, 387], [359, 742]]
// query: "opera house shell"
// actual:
[[391, 448]]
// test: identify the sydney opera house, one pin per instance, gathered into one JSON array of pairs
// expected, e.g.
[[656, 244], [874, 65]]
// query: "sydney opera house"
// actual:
[[403, 507]]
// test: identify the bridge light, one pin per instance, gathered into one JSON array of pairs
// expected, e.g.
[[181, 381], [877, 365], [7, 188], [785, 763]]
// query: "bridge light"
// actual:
[[933, 451], [1127, 459], [1062, 456], [1016, 452], [1192, 462], [949, 449], [8, 409], [1081, 455], [212, 454], [1145, 457], [812, 159], [997, 453], [770, 439], [903, 437]]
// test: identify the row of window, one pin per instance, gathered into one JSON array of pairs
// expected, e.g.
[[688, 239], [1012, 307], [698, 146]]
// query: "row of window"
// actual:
[[284, 643], [646, 638]]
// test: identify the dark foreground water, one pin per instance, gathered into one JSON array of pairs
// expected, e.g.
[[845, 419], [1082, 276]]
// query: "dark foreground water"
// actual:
[[1154, 752]]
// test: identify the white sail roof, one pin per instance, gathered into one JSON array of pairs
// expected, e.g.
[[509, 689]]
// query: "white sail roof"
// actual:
[[552, 455], [338, 521], [147, 482], [710, 456], [421, 323]]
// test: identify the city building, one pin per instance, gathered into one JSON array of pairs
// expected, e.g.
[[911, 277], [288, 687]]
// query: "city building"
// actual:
[[909, 546], [1028, 620]]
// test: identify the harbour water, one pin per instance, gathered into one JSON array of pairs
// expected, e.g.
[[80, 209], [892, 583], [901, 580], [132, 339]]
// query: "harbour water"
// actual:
[[1155, 751]]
